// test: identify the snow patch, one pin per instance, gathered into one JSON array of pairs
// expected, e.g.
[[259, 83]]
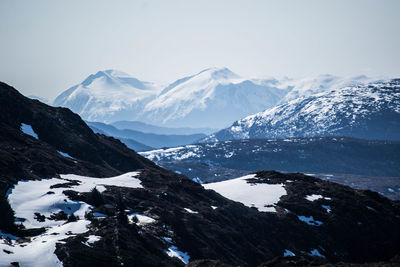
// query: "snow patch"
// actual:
[[191, 211], [327, 208], [65, 154], [91, 240], [27, 129], [173, 251], [88, 183], [141, 219], [315, 252], [310, 220], [314, 197], [288, 253], [30, 197], [259, 195]]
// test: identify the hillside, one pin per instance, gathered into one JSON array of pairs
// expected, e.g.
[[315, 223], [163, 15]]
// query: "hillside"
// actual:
[[147, 139], [143, 215], [365, 111]]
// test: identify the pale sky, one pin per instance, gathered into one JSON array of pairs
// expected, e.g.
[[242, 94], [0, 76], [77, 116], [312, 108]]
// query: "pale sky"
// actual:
[[48, 46]]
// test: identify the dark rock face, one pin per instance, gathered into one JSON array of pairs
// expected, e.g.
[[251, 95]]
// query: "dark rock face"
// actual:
[[361, 226], [57, 129]]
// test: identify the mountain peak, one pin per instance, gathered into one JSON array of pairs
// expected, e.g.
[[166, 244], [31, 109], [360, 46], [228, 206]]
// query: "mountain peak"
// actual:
[[219, 73], [107, 74], [369, 111], [116, 73]]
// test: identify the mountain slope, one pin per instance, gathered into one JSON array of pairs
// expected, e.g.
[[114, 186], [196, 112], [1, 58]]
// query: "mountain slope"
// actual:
[[107, 95], [153, 217], [148, 128], [351, 160], [110, 96], [148, 139], [132, 144], [194, 101], [371, 111], [322, 83]]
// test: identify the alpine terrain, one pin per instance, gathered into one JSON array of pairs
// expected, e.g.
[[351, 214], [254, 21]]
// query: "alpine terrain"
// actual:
[[107, 95], [111, 96], [72, 197], [369, 111]]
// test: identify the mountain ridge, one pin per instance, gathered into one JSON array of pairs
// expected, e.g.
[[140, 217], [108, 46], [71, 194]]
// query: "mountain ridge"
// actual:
[[370, 111], [148, 139], [151, 216], [190, 101]]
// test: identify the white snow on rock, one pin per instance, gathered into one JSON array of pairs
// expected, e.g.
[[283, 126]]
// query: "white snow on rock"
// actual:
[[92, 239], [40, 251], [288, 253], [29, 197], [88, 183], [27, 129], [191, 211], [258, 195], [314, 197], [141, 219], [327, 208], [315, 252], [65, 154], [174, 153], [310, 220], [173, 251]]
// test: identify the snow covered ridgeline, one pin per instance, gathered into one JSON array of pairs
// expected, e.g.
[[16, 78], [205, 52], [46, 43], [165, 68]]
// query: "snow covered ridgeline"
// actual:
[[369, 111], [190, 101], [262, 196], [34, 202]]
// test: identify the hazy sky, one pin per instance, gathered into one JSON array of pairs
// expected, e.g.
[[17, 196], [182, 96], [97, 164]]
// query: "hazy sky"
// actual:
[[48, 46]]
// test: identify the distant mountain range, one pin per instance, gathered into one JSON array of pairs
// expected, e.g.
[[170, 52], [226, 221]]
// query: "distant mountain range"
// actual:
[[212, 98], [370, 111], [315, 155], [140, 141], [148, 128]]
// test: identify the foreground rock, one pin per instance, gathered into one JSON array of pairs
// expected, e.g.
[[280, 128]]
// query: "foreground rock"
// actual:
[[167, 219]]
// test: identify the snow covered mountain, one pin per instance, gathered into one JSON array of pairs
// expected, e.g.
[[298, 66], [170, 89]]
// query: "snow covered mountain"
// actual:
[[364, 111], [193, 101], [309, 86], [212, 98], [108, 95]]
